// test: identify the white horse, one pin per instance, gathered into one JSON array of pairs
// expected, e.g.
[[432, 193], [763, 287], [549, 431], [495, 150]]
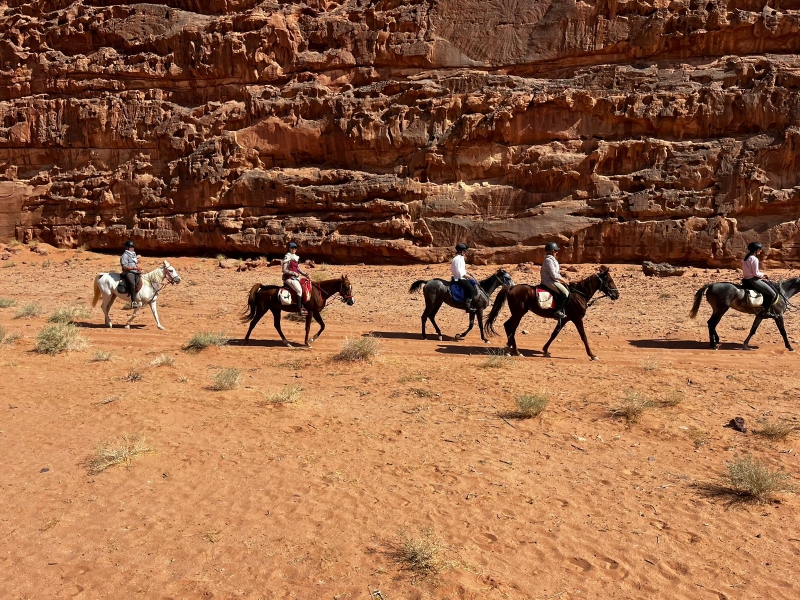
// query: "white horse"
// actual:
[[105, 285]]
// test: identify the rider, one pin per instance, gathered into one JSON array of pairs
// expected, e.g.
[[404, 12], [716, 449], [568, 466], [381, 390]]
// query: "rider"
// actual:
[[553, 280], [291, 274], [131, 271], [754, 279], [458, 267]]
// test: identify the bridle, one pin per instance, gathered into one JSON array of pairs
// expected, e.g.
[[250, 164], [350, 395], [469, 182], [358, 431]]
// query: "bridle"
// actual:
[[343, 296], [604, 289], [157, 287]]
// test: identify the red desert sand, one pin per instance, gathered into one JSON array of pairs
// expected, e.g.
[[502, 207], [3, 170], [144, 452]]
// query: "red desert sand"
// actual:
[[408, 475]]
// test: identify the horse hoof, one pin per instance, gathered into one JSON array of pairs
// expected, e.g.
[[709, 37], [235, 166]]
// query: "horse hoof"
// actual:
[[547, 355], [127, 326], [486, 342], [161, 327], [288, 344], [440, 338], [594, 358], [457, 338]]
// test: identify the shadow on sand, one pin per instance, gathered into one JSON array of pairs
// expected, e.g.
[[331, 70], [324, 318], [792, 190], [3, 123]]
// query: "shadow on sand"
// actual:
[[488, 351], [255, 343], [117, 325], [404, 335], [682, 345]]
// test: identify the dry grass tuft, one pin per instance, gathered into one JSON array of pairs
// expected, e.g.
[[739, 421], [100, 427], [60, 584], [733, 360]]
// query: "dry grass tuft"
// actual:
[[748, 480], [777, 430], [28, 311], [163, 361], [212, 535], [70, 314], [420, 555], [54, 339], [122, 450], [204, 339], [653, 363], [289, 394], [632, 407], [530, 405], [6, 337], [133, 376], [673, 398], [7, 302], [101, 356], [226, 379], [359, 349], [497, 359]]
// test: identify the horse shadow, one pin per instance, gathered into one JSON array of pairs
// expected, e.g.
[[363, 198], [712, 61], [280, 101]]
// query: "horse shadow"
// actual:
[[682, 345], [261, 343], [88, 325], [404, 335], [486, 351]]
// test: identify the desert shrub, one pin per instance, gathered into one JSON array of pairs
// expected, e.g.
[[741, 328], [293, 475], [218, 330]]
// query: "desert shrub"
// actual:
[[226, 379], [359, 349], [287, 395], [672, 398], [497, 359], [163, 361], [7, 302], [419, 554], [133, 376], [28, 311], [632, 407], [6, 337], [62, 337], [122, 450], [70, 314], [531, 405], [204, 339], [751, 480], [101, 356], [777, 430]]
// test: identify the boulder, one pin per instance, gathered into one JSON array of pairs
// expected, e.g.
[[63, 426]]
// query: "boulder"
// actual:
[[661, 270]]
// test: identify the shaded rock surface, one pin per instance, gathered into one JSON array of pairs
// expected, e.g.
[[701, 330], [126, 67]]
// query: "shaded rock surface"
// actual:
[[661, 270], [388, 131]]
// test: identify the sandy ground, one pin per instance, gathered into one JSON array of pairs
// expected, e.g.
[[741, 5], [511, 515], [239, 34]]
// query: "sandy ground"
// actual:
[[246, 499]]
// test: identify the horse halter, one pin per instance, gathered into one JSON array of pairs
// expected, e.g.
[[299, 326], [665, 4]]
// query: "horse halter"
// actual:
[[169, 276]]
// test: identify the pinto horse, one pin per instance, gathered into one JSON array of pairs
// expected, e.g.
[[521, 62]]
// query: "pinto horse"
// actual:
[[263, 298], [724, 296], [522, 298]]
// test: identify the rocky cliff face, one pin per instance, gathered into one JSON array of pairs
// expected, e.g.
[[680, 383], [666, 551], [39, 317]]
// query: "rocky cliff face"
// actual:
[[378, 131]]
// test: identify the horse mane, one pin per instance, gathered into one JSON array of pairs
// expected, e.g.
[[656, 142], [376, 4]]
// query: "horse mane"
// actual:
[[150, 276]]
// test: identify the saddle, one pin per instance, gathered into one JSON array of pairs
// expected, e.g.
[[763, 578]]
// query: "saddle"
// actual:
[[753, 298], [457, 292], [122, 286], [545, 298], [287, 295]]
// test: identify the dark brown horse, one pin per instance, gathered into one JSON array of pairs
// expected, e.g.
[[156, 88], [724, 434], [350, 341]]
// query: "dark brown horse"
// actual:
[[263, 298], [522, 298]]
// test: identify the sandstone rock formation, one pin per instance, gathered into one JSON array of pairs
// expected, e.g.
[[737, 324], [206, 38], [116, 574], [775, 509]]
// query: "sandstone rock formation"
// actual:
[[389, 130]]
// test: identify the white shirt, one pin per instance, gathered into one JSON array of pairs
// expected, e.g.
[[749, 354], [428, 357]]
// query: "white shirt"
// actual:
[[750, 268], [551, 270], [458, 267]]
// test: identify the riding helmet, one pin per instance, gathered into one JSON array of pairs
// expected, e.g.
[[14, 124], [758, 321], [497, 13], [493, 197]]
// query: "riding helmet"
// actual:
[[461, 247], [551, 247], [754, 247], [292, 245], [129, 244]]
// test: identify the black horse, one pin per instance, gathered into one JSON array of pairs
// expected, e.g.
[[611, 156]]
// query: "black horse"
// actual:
[[437, 292], [724, 296]]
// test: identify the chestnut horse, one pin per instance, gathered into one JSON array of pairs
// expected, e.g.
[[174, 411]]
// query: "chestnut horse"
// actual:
[[263, 298], [522, 298]]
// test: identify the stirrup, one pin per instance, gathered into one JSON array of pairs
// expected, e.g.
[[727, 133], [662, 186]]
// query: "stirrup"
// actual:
[[560, 314]]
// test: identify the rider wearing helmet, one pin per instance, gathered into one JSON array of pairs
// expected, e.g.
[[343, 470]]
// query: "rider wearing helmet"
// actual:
[[754, 279], [553, 280], [458, 267], [130, 271], [291, 274]]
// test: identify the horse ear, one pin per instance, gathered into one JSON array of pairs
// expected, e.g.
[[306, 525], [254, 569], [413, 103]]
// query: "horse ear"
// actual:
[[603, 269]]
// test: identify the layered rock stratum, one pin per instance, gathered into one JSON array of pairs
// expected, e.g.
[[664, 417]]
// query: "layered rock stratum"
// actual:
[[387, 131]]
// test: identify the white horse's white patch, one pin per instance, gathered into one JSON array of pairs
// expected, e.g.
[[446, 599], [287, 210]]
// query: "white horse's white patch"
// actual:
[[105, 286]]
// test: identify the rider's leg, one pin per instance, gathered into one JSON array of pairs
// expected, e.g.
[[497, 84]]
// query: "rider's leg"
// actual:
[[469, 293], [130, 278], [769, 294], [294, 284], [561, 298]]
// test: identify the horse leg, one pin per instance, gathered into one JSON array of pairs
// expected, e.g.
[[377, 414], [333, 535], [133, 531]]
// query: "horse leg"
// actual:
[[155, 315], [318, 319], [713, 321], [582, 332], [106, 306], [460, 336], [756, 323], [782, 329], [559, 326], [432, 317], [424, 322], [260, 312], [276, 314], [480, 326], [511, 331], [133, 316], [308, 326]]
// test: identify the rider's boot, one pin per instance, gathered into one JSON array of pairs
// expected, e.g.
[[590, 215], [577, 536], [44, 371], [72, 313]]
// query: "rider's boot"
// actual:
[[562, 300], [300, 308], [468, 305]]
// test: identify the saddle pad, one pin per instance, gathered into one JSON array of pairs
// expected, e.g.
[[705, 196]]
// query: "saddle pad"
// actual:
[[305, 284], [754, 298], [457, 292], [545, 298], [285, 296]]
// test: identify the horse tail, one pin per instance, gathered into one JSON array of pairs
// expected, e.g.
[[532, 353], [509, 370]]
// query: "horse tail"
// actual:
[[498, 304], [97, 292], [250, 311], [698, 298], [417, 286]]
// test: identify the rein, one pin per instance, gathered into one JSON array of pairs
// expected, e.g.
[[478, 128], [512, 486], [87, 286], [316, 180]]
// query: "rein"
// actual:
[[328, 295], [160, 285], [603, 289]]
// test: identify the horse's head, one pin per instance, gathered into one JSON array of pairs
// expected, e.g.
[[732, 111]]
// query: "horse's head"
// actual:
[[505, 277], [170, 273], [346, 290], [607, 285]]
